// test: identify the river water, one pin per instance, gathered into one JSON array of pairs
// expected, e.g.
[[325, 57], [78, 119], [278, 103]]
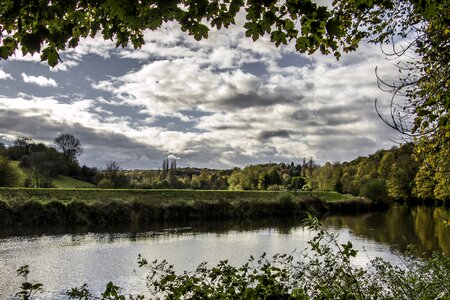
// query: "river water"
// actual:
[[61, 258]]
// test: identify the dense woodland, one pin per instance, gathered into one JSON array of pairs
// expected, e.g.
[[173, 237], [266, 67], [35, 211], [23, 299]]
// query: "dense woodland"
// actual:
[[387, 175]]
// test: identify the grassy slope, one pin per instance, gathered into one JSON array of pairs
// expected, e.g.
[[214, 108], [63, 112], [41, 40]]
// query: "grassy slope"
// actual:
[[69, 182]]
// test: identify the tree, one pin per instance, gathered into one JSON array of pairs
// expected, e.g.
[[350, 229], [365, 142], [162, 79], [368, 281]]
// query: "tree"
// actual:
[[420, 103], [263, 181], [43, 166], [297, 182], [329, 177], [20, 148], [113, 176], [9, 174], [172, 173], [398, 167], [3, 149], [69, 145], [274, 177]]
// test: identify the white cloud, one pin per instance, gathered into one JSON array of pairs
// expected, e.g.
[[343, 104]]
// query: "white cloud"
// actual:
[[221, 112], [39, 80], [4, 75], [320, 108]]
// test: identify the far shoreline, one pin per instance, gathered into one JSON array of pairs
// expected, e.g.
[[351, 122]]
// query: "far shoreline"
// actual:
[[131, 207]]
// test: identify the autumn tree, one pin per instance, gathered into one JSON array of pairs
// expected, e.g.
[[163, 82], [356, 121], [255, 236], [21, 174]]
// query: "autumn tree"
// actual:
[[329, 177]]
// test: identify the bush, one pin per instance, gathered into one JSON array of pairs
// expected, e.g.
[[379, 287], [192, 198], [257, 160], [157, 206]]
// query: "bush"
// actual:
[[9, 174]]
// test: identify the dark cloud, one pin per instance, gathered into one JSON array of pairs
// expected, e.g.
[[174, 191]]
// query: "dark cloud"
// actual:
[[333, 115], [252, 99], [266, 135]]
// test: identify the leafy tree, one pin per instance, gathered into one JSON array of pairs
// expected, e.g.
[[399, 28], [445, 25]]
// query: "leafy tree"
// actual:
[[375, 190], [233, 180], [42, 167], [196, 183], [89, 174], [420, 103], [9, 174], [286, 179], [274, 177], [297, 182], [263, 181], [329, 177], [172, 173], [402, 171]]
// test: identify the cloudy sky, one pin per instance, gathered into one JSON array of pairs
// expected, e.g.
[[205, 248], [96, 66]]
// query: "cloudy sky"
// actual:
[[219, 103]]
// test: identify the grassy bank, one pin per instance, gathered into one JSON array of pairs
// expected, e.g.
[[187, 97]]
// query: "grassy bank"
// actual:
[[49, 207], [68, 182]]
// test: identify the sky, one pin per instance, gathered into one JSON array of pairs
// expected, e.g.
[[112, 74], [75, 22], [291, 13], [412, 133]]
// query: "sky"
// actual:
[[219, 103]]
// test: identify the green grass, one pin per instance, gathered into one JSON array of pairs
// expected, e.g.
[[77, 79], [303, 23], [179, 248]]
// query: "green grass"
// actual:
[[331, 196], [156, 197], [69, 182]]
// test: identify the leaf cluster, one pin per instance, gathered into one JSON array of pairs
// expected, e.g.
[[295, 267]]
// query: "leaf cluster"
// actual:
[[49, 27]]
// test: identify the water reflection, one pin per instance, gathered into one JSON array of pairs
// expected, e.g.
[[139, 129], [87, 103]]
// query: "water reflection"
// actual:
[[61, 257], [284, 226], [421, 227]]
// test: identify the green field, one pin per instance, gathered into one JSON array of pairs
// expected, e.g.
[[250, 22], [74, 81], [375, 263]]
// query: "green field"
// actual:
[[69, 182]]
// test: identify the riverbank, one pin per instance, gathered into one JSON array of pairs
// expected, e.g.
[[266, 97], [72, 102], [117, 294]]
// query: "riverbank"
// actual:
[[62, 207]]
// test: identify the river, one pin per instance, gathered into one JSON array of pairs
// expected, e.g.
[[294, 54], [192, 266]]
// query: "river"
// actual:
[[61, 258]]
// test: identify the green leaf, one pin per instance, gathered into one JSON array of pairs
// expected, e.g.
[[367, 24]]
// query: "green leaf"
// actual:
[[31, 43], [51, 55], [333, 27], [4, 52]]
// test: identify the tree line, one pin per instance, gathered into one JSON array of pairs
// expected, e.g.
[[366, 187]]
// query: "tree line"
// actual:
[[386, 175]]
